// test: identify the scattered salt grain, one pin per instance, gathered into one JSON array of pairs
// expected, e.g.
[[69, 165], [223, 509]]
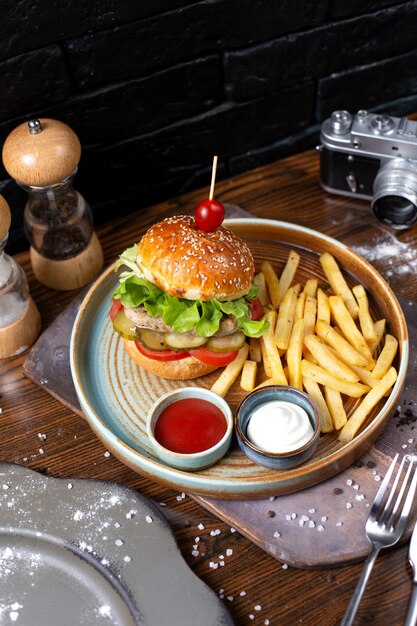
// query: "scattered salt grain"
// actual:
[[213, 565], [303, 519], [320, 528], [232, 530], [6, 487], [349, 505], [356, 487], [258, 607], [311, 524], [277, 534], [107, 454], [119, 542], [242, 593], [266, 622], [41, 450], [311, 511], [251, 616], [324, 518], [116, 525], [195, 552], [42, 436], [377, 478], [285, 566], [148, 519], [229, 552], [349, 482], [162, 504], [339, 523], [127, 558], [230, 598], [293, 515], [359, 497], [404, 446], [288, 517], [196, 539], [70, 485], [200, 527], [131, 514], [271, 498]]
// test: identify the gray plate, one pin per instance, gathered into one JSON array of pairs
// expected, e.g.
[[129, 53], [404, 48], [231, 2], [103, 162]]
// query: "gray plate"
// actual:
[[90, 552]]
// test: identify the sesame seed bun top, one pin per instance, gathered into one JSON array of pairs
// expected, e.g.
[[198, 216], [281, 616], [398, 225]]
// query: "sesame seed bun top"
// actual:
[[187, 262]]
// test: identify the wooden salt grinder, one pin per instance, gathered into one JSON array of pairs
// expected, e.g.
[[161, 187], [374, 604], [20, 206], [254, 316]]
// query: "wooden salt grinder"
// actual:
[[42, 155], [20, 322]]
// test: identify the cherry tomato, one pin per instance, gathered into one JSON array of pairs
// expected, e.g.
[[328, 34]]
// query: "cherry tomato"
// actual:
[[209, 214], [256, 309], [162, 355], [115, 308], [213, 358]]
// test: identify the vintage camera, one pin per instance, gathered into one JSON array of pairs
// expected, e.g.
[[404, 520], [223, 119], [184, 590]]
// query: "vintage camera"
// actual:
[[372, 156]]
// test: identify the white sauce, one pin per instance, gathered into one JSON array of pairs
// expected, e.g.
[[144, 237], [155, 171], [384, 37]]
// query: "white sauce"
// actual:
[[279, 427]]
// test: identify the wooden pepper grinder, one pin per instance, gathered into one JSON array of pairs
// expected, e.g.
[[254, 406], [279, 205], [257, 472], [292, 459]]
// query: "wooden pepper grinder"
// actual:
[[42, 156], [20, 322]]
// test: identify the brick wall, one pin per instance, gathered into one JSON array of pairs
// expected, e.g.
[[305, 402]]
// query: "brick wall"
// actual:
[[154, 88]]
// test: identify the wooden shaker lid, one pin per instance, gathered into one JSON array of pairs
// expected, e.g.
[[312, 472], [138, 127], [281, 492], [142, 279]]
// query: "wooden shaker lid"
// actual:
[[5, 218], [41, 152]]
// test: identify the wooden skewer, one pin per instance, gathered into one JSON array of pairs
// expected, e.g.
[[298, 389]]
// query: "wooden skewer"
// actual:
[[213, 177]]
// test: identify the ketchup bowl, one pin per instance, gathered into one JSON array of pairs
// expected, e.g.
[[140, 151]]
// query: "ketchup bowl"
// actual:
[[190, 428], [278, 426]]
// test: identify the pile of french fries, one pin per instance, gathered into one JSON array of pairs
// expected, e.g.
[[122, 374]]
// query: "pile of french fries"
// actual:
[[321, 339]]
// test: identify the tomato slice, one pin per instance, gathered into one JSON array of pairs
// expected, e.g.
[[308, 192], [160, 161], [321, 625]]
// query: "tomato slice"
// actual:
[[213, 358], [116, 306], [162, 355], [256, 310]]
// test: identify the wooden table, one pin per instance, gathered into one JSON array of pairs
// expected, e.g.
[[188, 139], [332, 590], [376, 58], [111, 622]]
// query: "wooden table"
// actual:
[[287, 190]]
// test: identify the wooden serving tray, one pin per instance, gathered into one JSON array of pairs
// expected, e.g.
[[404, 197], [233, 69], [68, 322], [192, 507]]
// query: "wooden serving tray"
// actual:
[[319, 526]]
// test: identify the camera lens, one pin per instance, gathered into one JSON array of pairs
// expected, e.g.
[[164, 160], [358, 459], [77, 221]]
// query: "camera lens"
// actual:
[[395, 193]]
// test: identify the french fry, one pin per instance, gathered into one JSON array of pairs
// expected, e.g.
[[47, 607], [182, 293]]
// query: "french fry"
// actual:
[[338, 283], [327, 359], [334, 403], [260, 282], [273, 365], [248, 378], [310, 287], [313, 390], [294, 354], [285, 319], [348, 327], [310, 313], [299, 307], [365, 376], [287, 274], [346, 352], [321, 376], [255, 350], [272, 283], [365, 319], [368, 403], [379, 327], [230, 372], [323, 307], [386, 357]]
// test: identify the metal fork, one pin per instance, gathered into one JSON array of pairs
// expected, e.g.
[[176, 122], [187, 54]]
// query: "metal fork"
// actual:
[[386, 523]]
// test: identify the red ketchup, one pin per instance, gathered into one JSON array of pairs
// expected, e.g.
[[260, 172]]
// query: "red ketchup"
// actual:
[[190, 425]]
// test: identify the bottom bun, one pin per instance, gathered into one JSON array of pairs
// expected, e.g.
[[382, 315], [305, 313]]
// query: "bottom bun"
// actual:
[[183, 369]]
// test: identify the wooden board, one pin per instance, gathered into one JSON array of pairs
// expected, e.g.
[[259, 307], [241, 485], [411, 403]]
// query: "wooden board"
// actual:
[[320, 526]]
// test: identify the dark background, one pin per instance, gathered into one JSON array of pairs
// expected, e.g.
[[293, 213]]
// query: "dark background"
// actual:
[[154, 88]]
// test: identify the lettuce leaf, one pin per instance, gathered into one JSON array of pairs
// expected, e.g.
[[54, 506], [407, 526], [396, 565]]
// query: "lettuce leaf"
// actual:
[[180, 314]]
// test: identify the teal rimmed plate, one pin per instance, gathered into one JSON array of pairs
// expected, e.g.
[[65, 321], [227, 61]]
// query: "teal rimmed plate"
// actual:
[[116, 395]]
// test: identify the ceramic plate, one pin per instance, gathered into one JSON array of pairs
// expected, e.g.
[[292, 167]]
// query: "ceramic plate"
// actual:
[[116, 395], [82, 552]]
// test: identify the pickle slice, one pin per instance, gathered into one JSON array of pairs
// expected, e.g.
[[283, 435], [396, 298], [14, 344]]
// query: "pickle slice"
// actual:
[[124, 326], [177, 341], [151, 339], [230, 343]]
